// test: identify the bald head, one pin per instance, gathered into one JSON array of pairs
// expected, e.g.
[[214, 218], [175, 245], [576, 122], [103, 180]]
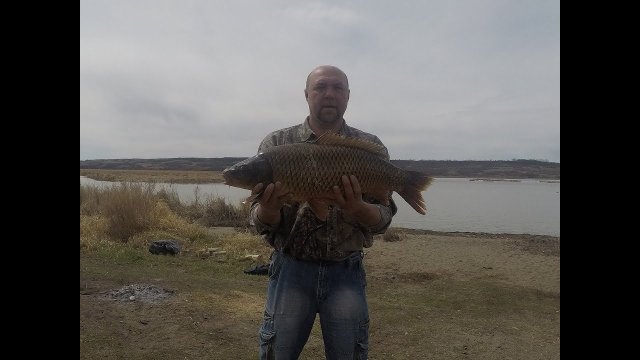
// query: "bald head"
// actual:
[[326, 69], [327, 94]]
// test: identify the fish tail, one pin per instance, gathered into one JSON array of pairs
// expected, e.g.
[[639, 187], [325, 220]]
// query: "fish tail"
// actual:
[[415, 182]]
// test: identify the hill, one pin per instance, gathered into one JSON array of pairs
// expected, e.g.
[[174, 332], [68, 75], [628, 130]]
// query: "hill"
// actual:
[[492, 169]]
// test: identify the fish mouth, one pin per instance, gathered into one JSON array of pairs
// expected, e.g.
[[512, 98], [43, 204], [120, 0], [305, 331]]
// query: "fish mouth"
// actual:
[[227, 178], [231, 180]]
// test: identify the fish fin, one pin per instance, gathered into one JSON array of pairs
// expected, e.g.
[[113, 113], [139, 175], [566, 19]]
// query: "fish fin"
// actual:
[[382, 195], [289, 201], [415, 183], [253, 197], [331, 138]]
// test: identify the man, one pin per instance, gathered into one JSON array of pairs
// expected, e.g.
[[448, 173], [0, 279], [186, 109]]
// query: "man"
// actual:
[[316, 266]]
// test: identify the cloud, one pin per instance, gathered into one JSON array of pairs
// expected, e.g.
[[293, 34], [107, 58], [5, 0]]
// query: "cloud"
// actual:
[[434, 80], [320, 14]]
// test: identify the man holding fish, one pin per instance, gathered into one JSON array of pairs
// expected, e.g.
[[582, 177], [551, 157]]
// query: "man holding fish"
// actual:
[[323, 190]]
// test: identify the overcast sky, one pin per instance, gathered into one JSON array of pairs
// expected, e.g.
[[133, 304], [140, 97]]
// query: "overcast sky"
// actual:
[[434, 79]]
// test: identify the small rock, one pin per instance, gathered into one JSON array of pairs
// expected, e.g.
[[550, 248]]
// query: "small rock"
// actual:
[[164, 247]]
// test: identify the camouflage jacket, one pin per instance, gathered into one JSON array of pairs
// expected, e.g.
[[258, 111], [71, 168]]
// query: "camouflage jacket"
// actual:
[[300, 233]]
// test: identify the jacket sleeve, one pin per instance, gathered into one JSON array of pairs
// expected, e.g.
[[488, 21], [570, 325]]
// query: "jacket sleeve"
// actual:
[[386, 215]]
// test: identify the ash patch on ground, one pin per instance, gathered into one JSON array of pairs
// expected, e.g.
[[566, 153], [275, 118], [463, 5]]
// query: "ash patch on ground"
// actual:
[[139, 292]]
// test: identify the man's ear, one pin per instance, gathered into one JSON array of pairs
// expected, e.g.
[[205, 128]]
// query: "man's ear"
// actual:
[[306, 94]]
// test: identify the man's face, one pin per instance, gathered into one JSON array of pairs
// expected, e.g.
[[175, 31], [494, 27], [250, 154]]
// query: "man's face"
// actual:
[[327, 95]]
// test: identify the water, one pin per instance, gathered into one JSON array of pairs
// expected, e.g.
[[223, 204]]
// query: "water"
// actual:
[[524, 207], [453, 204]]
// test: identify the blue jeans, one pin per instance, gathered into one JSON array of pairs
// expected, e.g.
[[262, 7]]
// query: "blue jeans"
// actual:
[[298, 290]]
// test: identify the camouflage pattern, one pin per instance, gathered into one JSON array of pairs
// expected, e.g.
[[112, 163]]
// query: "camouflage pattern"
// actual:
[[300, 233]]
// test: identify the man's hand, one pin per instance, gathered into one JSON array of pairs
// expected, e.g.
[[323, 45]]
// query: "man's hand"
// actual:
[[352, 204], [271, 201]]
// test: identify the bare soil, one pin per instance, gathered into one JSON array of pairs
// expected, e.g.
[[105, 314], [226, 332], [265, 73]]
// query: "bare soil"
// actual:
[[531, 261], [431, 295]]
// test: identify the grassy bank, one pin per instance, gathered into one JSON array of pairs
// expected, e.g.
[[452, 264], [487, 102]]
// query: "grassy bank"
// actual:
[[431, 295]]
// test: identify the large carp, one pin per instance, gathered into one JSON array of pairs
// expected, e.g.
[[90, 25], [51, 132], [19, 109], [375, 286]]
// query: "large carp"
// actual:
[[309, 170]]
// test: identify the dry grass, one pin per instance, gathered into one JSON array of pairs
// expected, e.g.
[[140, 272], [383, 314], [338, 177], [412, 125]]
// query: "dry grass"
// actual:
[[129, 210], [393, 234], [93, 230], [217, 212], [133, 211]]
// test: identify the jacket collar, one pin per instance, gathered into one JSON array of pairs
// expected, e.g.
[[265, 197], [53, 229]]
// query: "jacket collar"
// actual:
[[307, 134]]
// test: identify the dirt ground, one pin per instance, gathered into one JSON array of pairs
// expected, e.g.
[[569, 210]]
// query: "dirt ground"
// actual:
[[432, 296], [531, 261]]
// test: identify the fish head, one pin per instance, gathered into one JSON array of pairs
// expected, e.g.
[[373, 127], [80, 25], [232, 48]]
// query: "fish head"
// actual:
[[248, 173]]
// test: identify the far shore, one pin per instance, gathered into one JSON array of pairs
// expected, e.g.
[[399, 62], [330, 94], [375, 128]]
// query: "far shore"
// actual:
[[209, 177]]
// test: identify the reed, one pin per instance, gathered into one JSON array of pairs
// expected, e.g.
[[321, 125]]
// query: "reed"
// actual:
[[127, 211]]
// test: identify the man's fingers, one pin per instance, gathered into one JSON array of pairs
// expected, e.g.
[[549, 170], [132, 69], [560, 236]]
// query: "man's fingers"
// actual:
[[277, 191], [257, 188], [266, 196], [276, 195], [348, 190], [356, 185]]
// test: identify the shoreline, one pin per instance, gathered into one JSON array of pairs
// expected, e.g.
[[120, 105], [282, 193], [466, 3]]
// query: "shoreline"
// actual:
[[155, 176], [477, 234], [460, 234]]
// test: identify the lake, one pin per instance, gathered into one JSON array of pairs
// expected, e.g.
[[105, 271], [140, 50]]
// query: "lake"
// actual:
[[527, 206]]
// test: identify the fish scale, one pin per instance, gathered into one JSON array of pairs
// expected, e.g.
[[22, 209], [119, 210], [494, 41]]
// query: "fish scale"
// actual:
[[307, 169]]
